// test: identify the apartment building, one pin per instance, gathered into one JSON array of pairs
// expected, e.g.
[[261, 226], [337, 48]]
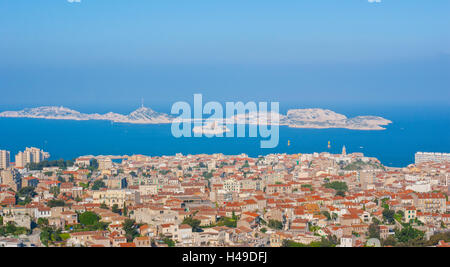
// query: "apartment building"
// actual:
[[430, 202], [4, 159], [421, 157], [30, 155], [115, 196]]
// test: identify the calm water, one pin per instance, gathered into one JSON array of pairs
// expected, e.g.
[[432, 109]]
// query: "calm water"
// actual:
[[412, 131]]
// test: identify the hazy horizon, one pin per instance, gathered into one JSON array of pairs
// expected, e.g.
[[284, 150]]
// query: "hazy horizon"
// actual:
[[300, 53]]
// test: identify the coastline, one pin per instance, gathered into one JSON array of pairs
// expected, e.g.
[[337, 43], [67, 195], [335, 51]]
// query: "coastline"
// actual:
[[149, 122]]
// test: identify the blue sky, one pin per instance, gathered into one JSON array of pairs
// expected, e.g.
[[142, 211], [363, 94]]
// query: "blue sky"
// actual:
[[303, 53]]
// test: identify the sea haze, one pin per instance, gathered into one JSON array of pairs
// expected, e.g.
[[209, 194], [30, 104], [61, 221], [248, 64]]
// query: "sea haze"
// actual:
[[413, 129]]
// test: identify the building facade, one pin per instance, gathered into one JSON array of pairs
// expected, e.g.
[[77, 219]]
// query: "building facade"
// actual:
[[30, 155], [421, 157], [4, 159]]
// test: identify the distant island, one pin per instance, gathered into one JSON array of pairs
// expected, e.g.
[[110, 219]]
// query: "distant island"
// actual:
[[324, 118], [295, 118], [142, 115]]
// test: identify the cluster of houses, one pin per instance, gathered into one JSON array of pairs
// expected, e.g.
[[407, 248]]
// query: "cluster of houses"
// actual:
[[220, 200]]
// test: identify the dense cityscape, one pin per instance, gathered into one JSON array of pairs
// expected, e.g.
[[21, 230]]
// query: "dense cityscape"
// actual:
[[224, 132], [277, 200]]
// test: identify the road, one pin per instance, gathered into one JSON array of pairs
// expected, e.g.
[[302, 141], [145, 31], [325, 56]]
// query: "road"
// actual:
[[35, 237]]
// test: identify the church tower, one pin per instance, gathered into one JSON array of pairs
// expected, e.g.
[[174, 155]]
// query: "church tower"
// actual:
[[344, 151]]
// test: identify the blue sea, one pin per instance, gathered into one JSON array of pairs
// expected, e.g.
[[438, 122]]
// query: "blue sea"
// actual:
[[413, 129]]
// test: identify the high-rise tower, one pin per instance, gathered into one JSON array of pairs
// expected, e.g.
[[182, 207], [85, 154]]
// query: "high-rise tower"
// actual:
[[4, 159]]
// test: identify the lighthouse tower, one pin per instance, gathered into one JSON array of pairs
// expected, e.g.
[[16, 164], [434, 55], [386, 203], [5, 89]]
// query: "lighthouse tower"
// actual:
[[344, 151]]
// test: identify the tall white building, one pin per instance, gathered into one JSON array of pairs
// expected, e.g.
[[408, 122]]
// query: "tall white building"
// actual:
[[421, 157], [104, 164], [420, 187], [4, 159], [30, 155]]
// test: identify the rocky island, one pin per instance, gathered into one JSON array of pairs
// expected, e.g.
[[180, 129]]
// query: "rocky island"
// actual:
[[142, 115], [295, 118], [323, 118]]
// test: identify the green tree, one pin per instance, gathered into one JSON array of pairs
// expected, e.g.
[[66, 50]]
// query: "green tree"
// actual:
[[56, 236], [228, 222], [388, 215], [292, 244], [56, 203], [376, 221], [49, 235], [374, 231], [399, 216], [45, 236], [434, 239], [334, 216], [233, 216], [125, 209], [408, 233], [274, 224], [169, 242], [246, 165], [42, 222], [115, 209], [130, 229], [89, 218], [11, 227], [194, 223], [25, 194], [98, 184], [326, 214], [207, 175], [93, 165], [338, 186], [389, 241], [62, 164]]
